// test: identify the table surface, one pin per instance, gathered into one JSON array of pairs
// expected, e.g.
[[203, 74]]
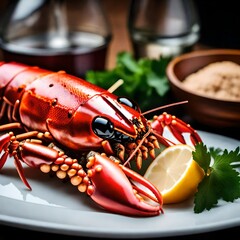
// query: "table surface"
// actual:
[[117, 14], [11, 233]]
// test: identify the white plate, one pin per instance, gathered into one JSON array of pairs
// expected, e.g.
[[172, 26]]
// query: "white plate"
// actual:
[[56, 207]]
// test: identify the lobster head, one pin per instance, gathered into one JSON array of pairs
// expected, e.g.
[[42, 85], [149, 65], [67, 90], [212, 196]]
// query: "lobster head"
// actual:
[[108, 117]]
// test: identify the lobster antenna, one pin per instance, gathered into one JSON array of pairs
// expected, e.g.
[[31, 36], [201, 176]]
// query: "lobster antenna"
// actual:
[[116, 85], [165, 106]]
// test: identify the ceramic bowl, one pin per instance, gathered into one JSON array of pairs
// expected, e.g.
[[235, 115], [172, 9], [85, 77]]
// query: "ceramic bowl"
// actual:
[[207, 110]]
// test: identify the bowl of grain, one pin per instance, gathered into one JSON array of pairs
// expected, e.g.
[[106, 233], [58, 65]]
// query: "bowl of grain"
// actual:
[[210, 81]]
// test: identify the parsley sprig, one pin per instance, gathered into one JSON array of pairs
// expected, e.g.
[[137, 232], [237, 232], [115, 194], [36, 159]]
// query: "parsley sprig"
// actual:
[[144, 79], [222, 176]]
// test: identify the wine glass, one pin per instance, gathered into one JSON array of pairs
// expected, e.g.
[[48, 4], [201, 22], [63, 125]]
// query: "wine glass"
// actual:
[[57, 34]]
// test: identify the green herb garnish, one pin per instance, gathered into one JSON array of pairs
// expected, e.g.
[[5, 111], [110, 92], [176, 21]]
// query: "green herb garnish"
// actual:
[[222, 178], [145, 80]]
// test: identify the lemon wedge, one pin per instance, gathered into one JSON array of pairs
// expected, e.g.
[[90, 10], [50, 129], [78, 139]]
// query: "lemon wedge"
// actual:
[[175, 174]]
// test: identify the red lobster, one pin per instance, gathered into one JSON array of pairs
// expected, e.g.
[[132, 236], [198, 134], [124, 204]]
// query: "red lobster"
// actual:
[[63, 124]]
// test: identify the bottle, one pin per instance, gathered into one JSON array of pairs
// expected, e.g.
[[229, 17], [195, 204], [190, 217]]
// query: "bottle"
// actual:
[[57, 34], [162, 27]]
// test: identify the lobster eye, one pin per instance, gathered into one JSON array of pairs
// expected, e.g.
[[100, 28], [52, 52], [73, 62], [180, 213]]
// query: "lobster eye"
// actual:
[[128, 103], [102, 127]]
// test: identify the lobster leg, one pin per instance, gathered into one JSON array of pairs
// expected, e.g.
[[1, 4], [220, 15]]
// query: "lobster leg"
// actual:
[[176, 126], [10, 145], [105, 181]]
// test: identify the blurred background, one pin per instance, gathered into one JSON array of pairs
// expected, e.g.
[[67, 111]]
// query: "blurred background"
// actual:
[[219, 24]]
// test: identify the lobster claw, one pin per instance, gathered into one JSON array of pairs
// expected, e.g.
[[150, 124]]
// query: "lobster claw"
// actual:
[[112, 189], [176, 126]]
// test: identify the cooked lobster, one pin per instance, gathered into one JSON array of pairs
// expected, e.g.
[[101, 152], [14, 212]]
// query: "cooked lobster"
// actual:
[[60, 123]]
